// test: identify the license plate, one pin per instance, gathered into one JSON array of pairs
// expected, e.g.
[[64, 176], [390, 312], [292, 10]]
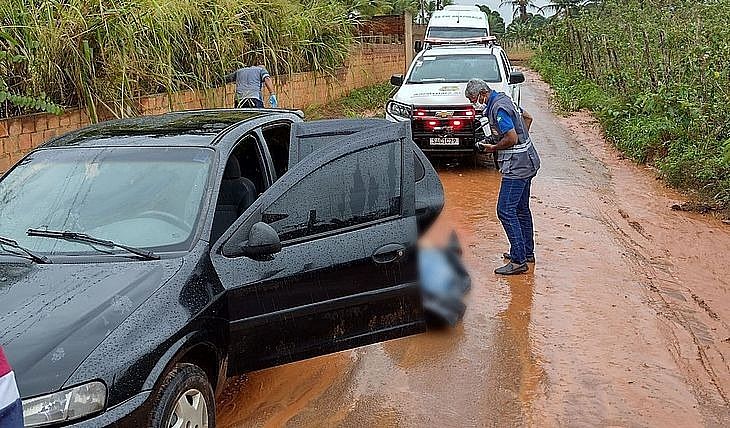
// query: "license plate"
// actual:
[[444, 141]]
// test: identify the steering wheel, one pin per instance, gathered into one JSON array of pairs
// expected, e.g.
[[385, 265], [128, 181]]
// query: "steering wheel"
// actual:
[[166, 217]]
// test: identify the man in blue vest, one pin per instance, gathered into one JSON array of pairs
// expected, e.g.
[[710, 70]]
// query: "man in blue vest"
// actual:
[[518, 163]]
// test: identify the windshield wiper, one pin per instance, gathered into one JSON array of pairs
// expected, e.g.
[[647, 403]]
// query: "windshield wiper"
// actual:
[[87, 239], [14, 244]]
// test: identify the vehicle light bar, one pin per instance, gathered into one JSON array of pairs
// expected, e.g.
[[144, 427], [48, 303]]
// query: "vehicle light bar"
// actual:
[[485, 40]]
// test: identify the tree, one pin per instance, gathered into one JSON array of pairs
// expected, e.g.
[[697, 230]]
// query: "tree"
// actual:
[[564, 8], [537, 21], [525, 30], [496, 23], [426, 8], [520, 7], [401, 6], [519, 30]]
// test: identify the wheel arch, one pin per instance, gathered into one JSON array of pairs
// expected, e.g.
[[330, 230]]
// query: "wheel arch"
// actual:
[[199, 348]]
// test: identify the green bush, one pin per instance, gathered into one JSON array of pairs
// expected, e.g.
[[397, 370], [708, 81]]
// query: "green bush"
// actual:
[[101, 54], [655, 74]]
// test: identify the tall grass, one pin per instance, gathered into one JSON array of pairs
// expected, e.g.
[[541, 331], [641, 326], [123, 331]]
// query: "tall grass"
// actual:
[[102, 54]]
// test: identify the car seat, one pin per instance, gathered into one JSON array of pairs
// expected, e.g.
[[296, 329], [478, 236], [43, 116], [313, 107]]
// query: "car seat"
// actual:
[[236, 194]]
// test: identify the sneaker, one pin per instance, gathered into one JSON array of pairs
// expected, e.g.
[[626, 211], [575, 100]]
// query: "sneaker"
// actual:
[[530, 259], [512, 269]]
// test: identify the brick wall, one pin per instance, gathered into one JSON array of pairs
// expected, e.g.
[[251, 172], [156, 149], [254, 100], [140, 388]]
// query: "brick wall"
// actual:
[[385, 24], [367, 65]]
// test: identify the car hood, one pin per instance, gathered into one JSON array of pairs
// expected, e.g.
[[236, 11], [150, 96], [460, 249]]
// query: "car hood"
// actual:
[[437, 94], [52, 316]]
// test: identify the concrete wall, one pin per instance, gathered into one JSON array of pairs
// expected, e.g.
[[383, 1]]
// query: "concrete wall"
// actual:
[[367, 65]]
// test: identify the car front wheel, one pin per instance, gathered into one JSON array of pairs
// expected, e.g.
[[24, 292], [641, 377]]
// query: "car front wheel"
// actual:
[[184, 400]]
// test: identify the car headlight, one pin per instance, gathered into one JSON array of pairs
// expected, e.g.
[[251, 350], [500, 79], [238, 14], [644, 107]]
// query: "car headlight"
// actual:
[[397, 109], [66, 405]]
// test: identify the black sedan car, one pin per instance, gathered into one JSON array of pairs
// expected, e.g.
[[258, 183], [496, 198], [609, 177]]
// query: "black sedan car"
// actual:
[[143, 261]]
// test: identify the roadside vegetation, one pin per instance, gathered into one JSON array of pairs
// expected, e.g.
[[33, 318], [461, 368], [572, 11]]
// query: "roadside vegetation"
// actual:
[[655, 73], [101, 55], [364, 102]]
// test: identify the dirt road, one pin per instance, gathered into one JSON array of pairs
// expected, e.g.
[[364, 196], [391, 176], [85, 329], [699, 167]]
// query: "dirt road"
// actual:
[[625, 320]]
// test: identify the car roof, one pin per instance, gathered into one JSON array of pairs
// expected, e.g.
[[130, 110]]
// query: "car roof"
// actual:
[[456, 49], [187, 128]]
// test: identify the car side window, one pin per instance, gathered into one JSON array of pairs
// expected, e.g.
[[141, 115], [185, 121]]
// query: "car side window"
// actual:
[[357, 188], [277, 141]]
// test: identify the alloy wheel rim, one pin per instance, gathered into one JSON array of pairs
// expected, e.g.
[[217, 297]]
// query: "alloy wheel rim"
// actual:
[[191, 411]]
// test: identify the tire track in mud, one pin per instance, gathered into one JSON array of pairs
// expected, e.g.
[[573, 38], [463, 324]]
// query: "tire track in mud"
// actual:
[[666, 290]]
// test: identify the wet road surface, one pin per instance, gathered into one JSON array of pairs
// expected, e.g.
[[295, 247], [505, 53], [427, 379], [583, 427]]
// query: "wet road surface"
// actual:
[[624, 321]]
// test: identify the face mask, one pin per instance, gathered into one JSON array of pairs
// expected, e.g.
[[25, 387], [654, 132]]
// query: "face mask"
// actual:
[[479, 106]]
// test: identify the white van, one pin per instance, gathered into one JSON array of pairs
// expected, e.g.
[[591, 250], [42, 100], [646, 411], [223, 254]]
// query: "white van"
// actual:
[[457, 24]]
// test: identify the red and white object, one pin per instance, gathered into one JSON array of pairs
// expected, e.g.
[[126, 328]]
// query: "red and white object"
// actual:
[[11, 408]]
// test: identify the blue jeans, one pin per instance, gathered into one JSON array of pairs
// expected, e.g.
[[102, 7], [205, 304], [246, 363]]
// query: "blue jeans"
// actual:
[[513, 210]]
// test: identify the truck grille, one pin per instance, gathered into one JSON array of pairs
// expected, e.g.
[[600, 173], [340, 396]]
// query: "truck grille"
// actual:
[[443, 121]]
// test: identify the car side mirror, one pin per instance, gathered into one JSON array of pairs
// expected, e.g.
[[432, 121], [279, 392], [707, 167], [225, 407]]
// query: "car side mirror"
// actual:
[[262, 241], [418, 45], [516, 77], [396, 80]]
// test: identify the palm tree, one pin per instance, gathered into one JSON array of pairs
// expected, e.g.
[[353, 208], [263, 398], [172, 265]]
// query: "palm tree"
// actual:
[[520, 7], [519, 30], [566, 8]]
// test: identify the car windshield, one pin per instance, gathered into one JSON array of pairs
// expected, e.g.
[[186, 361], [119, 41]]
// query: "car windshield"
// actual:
[[147, 197], [455, 69], [456, 32]]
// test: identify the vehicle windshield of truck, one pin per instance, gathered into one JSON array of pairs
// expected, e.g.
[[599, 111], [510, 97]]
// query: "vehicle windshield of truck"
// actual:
[[455, 33], [146, 197], [455, 69]]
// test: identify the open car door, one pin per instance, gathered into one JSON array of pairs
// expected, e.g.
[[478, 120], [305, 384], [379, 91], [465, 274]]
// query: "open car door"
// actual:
[[345, 273]]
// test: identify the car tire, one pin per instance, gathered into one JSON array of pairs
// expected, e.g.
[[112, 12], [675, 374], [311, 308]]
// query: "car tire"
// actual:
[[185, 395]]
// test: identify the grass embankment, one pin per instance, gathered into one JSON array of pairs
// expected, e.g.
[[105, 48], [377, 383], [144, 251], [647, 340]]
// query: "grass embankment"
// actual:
[[655, 74], [101, 54], [364, 102]]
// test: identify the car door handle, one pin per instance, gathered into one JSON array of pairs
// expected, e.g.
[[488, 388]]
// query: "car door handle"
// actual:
[[388, 253]]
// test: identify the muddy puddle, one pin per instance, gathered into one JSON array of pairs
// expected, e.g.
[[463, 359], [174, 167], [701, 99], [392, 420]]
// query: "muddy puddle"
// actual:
[[622, 322]]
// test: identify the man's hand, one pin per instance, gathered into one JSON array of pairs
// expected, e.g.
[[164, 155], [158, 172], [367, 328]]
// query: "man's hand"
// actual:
[[490, 148], [273, 101], [486, 145]]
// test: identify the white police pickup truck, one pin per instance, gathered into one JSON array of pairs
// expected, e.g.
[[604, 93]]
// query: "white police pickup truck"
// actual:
[[431, 94]]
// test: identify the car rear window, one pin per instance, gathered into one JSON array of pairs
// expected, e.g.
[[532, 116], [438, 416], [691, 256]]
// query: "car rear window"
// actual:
[[456, 33], [455, 69]]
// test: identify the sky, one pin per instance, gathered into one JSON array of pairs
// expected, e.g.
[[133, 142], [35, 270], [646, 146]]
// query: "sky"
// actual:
[[505, 11]]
